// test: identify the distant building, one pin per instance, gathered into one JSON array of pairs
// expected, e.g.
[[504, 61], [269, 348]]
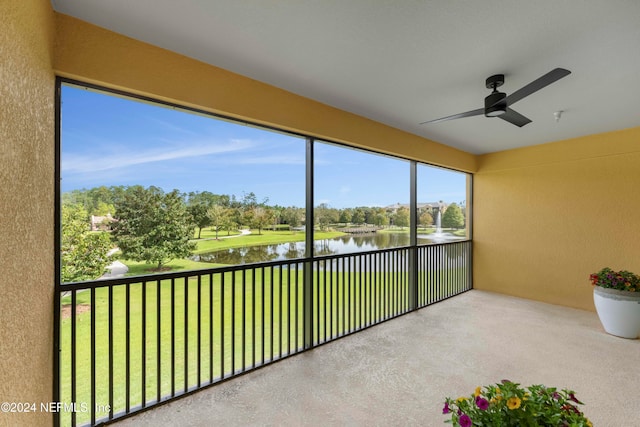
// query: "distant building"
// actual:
[[432, 207], [101, 223]]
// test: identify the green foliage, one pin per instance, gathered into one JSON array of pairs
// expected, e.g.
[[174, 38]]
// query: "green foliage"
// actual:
[[358, 216], [325, 216], [292, 216], [83, 253], [219, 218], [346, 216], [261, 217], [453, 217], [152, 226], [401, 218], [96, 201], [621, 280], [199, 203], [200, 216], [426, 218], [508, 404]]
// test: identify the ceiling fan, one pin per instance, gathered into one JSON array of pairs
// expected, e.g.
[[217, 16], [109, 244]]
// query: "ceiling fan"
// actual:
[[497, 103]]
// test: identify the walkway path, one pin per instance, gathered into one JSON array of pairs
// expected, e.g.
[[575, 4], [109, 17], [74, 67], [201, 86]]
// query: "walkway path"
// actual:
[[116, 268], [242, 233]]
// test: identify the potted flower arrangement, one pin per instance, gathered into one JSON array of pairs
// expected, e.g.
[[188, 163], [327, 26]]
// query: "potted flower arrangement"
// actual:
[[616, 295], [507, 404]]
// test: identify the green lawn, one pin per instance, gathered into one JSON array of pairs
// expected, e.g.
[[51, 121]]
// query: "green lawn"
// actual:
[[267, 237]]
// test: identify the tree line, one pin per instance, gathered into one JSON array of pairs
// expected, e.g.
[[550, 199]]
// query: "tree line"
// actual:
[[155, 226]]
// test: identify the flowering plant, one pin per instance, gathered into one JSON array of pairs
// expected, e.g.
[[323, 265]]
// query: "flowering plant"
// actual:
[[621, 280], [507, 404]]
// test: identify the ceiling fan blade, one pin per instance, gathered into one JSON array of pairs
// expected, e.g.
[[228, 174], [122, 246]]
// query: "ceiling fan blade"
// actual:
[[515, 118], [472, 113], [551, 77]]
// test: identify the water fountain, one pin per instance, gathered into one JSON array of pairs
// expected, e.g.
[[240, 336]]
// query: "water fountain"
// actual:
[[438, 232]]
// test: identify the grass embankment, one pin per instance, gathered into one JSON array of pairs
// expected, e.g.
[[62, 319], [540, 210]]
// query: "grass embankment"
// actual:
[[429, 230], [207, 243], [268, 237]]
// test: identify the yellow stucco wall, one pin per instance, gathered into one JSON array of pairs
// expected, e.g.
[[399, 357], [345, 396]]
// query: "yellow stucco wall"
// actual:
[[26, 207], [92, 54], [547, 216]]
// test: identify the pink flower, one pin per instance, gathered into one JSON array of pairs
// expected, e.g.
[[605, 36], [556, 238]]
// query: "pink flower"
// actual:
[[446, 409], [465, 421]]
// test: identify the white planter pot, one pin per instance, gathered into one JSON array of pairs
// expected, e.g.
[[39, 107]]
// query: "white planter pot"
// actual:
[[619, 311]]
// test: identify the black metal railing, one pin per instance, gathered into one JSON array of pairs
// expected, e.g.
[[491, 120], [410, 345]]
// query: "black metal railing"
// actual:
[[131, 343]]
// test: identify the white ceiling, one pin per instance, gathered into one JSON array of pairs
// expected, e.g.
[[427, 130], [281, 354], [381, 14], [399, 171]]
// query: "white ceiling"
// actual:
[[402, 62]]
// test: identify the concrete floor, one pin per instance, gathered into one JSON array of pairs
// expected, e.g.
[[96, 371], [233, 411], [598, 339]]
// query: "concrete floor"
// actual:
[[398, 373]]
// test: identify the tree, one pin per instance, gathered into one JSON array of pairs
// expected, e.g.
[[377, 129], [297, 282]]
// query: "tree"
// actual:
[[401, 218], [358, 216], [325, 216], [152, 226], [380, 218], [453, 217], [426, 218], [83, 253], [199, 213], [292, 216], [261, 217], [199, 204], [219, 217], [345, 216]]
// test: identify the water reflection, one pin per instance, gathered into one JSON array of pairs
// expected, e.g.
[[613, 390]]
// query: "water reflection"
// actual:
[[339, 245]]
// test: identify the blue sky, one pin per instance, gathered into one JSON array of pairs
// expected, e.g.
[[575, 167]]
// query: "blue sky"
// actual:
[[109, 140]]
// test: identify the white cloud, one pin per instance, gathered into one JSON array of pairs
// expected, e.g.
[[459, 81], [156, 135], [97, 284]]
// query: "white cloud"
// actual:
[[125, 157]]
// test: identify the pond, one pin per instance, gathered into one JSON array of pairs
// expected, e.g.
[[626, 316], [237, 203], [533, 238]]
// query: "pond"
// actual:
[[339, 245]]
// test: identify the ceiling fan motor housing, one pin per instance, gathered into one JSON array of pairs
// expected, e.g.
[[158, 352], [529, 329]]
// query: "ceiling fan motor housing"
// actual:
[[495, 104]]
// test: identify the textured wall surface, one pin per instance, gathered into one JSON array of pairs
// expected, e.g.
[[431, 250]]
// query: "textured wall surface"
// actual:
[[95, 55], [26, 206], [548, 216]]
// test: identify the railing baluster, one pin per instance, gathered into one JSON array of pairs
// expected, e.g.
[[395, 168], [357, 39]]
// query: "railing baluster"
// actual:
[[73, 353], [253, 320], [111, 352], [262, 314], [127, 346], [243, 320], [222, 333], [185, 282], [143, 345], [271, 327], [296, 305], [173, 337], [92, 404], [199, 331], [158, 342], [211, 325], [233, 323], [288, 310]]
